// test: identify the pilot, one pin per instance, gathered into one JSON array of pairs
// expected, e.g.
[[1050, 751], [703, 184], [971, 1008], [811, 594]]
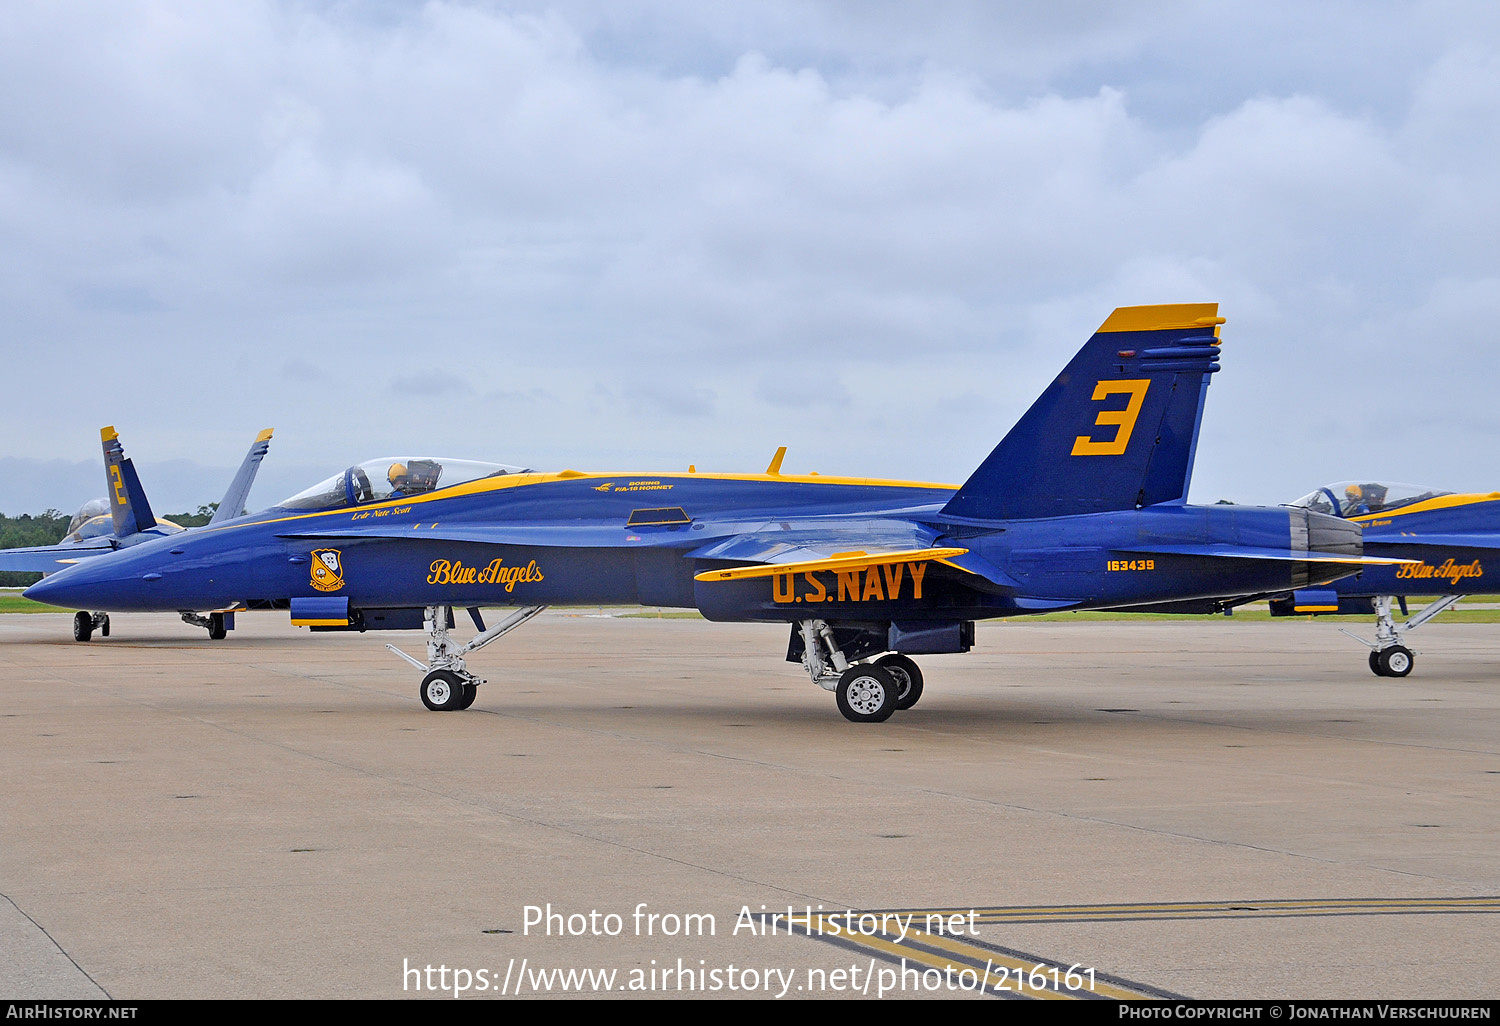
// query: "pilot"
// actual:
[[1354, 501], [400, 478], [414, 477]]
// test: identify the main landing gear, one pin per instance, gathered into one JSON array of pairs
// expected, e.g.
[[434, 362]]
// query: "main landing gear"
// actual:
[[84, 625], [865, 692], [1388, 656], [218, 625], [449, 685]]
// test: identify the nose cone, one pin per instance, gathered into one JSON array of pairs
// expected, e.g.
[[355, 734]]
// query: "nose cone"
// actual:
[[64, 588], [103, 582]]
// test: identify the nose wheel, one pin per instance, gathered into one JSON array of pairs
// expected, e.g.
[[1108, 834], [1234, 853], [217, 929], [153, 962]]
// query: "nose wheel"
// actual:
[[1388, 657], [1395, 661], [84, 625], [449, 685], [446, 690]]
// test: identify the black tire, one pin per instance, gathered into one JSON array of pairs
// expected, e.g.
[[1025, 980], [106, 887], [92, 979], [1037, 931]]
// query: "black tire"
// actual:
[[908, 678], [443, 691], [216, 630], [83, 626], [1396, 661], [866, 694], [1375, 664], [471, 692], [104, 625]]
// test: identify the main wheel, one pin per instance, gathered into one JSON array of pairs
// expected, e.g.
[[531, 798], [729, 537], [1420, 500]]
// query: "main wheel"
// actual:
[[866, 694], [471, 692], [104, 625], [443, 690], [908, 679], [216, 630], [83, 626], [1396, 661], [1375, 664]]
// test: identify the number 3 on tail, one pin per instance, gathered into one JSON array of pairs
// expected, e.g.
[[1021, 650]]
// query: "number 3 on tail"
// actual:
[[1122, 420]]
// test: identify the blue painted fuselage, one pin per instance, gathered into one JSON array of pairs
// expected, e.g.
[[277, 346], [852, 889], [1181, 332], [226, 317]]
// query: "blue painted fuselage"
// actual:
[[542, 539]]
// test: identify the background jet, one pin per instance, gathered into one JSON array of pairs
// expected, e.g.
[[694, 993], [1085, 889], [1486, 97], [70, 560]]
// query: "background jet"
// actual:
[[1450, 540], [1082, 505], [125, 519]]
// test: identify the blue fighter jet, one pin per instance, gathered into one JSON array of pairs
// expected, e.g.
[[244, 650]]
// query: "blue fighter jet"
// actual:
[[125, 519], [1082, 505], [1449, 540]]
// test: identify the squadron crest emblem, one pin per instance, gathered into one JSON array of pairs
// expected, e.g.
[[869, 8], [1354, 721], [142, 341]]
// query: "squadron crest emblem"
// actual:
[[327, 570]]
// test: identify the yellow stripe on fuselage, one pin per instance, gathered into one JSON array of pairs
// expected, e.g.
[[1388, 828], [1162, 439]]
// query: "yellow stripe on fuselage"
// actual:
[[1427, 505], [493, 484]]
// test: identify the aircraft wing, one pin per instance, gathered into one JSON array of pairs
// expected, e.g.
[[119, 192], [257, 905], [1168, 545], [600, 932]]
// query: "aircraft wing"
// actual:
[[233, 503], [49, 559], [841, 545], [838, 561], [802, 541]]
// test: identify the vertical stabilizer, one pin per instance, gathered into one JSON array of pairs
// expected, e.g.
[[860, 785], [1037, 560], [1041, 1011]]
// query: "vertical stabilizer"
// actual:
[[1116, 430], [127, 500], [233, 503]]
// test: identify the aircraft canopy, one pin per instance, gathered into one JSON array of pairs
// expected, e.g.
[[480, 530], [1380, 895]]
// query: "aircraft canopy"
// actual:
[[91, 510], [392, 477], [1356, 498]]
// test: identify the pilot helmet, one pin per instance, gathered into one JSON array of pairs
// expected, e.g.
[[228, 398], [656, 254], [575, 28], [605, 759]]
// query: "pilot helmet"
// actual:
[[398, 475], [1354, 492]]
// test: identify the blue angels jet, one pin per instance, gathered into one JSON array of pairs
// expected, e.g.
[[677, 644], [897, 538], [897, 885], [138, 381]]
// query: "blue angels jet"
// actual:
[[124, 519], [1082, 505], [1449, 541]]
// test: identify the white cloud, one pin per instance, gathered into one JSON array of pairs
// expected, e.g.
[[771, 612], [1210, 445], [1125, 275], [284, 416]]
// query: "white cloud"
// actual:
[[704, 215]]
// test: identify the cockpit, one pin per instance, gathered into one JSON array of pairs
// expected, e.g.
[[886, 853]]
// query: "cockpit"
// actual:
[[91, 521], [392, 478], [1357, 498]]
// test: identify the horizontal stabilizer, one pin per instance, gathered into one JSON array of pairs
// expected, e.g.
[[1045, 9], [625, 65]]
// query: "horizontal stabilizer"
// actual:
[[839, 561], [1042, 605], [974, 563], [1245, 552], [49, 559]]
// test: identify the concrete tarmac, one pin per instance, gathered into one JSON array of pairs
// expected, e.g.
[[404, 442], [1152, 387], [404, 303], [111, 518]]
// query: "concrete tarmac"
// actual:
[[1214, 809]]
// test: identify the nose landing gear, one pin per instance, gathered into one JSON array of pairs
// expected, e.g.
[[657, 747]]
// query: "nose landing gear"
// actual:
[[449, 686], [84, 625], [1388, 656]]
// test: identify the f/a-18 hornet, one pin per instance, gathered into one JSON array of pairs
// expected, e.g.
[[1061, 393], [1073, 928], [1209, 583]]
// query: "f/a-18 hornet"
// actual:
[[1446, 539], [1082, 505], [123, 519]]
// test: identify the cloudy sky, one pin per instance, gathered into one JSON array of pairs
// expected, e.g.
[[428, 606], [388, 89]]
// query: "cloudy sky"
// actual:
[[638, 235]]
